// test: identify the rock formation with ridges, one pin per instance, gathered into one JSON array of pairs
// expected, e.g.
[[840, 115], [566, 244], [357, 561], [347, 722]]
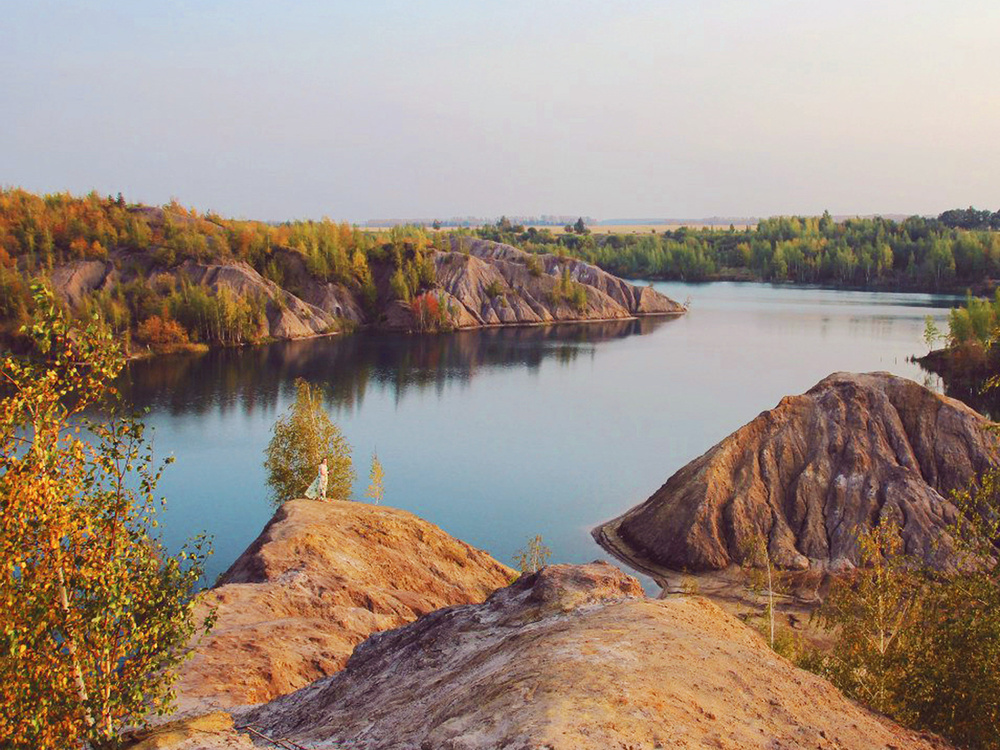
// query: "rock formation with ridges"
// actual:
[[808, 475], [575, 658], [530, 297], [319, 579], [466, 277]]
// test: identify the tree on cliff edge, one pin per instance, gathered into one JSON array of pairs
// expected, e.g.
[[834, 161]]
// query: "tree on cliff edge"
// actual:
[[302, 437]]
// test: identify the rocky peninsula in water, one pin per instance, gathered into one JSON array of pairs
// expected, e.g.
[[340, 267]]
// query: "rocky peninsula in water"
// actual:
[[807, 475]]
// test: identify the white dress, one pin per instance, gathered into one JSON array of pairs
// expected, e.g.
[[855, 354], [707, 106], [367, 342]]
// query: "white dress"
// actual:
[[317, 490]]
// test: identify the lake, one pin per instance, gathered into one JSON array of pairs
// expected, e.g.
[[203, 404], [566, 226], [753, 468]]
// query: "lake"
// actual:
[[501, 434]]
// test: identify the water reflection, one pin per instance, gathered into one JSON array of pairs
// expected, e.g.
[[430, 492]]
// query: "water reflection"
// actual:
[[258, 378], [966, 388]]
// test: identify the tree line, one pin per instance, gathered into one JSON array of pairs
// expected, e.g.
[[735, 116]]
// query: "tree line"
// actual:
[[958, 248]]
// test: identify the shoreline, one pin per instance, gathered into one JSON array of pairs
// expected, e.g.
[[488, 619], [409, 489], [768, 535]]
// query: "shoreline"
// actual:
[[370, 329], [980, 288]]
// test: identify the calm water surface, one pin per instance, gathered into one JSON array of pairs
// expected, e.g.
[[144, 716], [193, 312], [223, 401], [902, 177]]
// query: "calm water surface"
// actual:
[[499, 435]]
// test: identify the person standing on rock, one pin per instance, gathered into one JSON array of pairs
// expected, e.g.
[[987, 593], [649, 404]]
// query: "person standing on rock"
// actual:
[[317, 490]]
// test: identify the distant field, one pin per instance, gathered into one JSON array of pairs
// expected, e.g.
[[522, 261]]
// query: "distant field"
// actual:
[[645, 228], [611, 229], [649, 228]]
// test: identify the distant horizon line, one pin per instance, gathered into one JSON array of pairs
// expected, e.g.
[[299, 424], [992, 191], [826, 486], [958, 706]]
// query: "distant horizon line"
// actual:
[[546, 220]]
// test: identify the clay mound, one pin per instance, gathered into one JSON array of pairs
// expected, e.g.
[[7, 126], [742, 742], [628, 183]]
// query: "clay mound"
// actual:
[[575, 658], [809, 474], [320, 579]]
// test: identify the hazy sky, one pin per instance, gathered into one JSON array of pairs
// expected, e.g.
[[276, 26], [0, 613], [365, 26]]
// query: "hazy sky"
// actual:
[[677, 108]]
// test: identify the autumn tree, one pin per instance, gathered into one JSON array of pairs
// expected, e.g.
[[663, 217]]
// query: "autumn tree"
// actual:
[[301, 438], [94, 613], [376, 480]]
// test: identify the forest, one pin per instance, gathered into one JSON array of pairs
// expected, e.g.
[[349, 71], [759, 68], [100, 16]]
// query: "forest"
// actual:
[[958, 249], [41, 233]]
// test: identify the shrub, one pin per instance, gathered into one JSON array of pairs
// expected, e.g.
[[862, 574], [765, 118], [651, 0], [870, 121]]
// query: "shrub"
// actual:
[[533, 557], [430, 313], [161, 334], [534, 265], [494, 289], [570, 291]]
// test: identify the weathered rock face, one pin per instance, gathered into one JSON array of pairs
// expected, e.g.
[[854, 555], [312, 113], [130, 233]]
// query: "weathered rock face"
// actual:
[[320, 579], [74, 281], [468, 282], [809, 474], [483, 283], [287, 316], [574, 658]]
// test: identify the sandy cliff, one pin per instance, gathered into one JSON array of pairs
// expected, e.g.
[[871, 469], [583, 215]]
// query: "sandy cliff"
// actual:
[[530, 297], [319, 579], [808, 474], [574, 658]]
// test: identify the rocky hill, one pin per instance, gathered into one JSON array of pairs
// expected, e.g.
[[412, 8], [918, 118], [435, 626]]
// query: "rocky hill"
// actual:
[[808, 474], [574, 658], [320, 578], [496, 284], [477, 283]]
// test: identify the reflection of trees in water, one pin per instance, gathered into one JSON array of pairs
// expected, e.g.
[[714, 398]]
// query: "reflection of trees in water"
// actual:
[[254, 378], [970, 392], [967, 388]]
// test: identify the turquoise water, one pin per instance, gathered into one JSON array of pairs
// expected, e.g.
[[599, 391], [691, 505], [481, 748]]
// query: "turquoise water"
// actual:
[[499, 435]]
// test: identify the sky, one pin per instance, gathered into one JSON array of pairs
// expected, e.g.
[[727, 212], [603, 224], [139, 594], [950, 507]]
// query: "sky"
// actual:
[[377, 109]]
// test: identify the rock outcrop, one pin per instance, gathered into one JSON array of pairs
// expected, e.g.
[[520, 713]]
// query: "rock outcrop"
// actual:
[[574, 658], [319, 579], [808, 475], [482, 283], [488, 283], [286, 316]]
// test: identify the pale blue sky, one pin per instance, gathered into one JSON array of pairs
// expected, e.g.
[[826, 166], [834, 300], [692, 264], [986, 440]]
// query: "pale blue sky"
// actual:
[[360, 110]]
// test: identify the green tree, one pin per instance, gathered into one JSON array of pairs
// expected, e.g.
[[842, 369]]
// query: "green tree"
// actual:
[[301, 438], [953, 680], [533, 557], [931, 332], [376, 479], [875, 612], [94, 614], [923, 645]]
